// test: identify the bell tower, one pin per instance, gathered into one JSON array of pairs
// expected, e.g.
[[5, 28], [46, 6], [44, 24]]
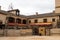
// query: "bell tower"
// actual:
[[57, 6]]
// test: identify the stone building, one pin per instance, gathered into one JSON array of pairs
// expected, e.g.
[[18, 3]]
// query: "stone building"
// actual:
[[40, 24]]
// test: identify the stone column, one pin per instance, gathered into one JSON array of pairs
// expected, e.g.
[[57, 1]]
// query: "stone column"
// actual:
[[47, 32], [15, 24], [6, 25]]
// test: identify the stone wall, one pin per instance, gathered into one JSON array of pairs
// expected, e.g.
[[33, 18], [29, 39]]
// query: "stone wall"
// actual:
[[26, 32], [55, 32], [14, 32], [1, 32]]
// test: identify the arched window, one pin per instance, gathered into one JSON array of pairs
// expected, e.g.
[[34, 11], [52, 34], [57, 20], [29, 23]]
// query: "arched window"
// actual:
[[24, 21], [18, 20], [35, 21], [11, 20]]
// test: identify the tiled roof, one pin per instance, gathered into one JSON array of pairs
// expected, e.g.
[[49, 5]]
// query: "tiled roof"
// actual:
[[44, 15], [32, 16], [7, 13], [3, 12]]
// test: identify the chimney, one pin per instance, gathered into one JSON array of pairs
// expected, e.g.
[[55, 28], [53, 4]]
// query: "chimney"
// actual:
[[36, 13], [0, 7]]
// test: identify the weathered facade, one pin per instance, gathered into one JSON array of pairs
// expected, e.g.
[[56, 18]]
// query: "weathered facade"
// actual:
[[39, 24]]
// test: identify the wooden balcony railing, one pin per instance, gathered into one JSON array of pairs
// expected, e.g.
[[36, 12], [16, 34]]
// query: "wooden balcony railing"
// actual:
[[11, 24], [19, 24], [40, 23]]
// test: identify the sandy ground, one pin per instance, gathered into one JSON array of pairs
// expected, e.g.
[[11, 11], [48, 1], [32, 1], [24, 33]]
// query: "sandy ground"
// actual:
[[31, 38]]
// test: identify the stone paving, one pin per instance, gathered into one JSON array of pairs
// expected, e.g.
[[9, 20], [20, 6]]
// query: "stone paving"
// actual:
[[31, 38]]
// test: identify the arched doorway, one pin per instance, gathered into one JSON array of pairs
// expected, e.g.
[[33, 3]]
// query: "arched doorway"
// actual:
[[35, 31]]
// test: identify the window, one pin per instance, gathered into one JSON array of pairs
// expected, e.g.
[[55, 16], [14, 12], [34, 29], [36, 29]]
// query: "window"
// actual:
[[53, 20], [29, 21], [41, 29], [24, 21], [11, 20], [44, 20], [35, 21], [18, 20]]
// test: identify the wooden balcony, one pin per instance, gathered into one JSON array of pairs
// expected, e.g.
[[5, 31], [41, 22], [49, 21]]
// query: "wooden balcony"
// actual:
[[20, 24], [41, 24], [11, 24]]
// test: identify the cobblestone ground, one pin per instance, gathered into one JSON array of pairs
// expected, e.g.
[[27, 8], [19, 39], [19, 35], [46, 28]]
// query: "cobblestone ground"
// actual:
[[31, 38]]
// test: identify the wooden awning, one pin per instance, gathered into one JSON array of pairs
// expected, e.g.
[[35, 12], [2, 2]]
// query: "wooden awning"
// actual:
[[41, 24]]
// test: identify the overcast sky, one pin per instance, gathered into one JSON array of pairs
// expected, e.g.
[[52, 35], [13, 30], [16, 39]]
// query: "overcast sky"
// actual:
[[29, 7]]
